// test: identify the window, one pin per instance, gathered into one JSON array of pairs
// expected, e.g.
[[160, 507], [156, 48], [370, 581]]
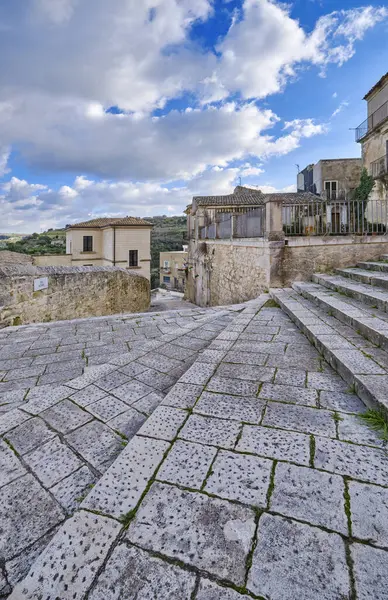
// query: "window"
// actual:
[[133, 258], [88, 243], [166, 279], [331, 190]]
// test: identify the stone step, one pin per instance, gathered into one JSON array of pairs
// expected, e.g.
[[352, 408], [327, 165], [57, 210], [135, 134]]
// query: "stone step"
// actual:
[[365, 276], [372, 296], [371, 323], [361, 370], [384, 257], [374, 266]]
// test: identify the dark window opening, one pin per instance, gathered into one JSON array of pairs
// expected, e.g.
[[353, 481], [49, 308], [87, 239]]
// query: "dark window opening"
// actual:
[[88, 243], [133, 258]]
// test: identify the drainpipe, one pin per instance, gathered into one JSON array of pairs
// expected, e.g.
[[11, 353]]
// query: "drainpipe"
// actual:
[[114, 246]]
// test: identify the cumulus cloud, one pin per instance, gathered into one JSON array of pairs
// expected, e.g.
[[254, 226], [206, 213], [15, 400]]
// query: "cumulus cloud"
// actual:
[[4, 156]]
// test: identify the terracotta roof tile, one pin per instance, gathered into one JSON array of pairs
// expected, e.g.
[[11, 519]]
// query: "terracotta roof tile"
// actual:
[[109, 222], [250, 197]]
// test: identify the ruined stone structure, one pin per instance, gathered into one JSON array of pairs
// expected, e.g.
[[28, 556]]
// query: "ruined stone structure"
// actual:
[[71, 292]]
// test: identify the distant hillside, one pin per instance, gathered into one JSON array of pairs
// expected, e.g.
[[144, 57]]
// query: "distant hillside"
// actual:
[[49, 242], [169, 233]]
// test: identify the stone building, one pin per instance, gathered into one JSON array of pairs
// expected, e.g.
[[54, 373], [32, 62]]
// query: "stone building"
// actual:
[[333, 179], [107, 241], [372, 134], [172, 269]]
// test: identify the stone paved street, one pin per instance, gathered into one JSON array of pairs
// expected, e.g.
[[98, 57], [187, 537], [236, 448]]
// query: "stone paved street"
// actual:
[[217, 457]]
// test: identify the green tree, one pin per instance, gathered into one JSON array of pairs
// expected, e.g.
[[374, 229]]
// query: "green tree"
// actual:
[[361, 196]]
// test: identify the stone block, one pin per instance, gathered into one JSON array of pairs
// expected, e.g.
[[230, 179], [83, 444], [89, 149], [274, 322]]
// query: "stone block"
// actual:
[[52, 462], [29, 435], [148, 403], [369, 510], [240, 477], [245, 358], [111, 380], [131, 391], [352, 429], [199, 373], [342, 402], [158, 381], [210, 534], [133, 369], [370, 568], [293, 377], [133, 574], [70, 490], [207, 430], [42, 397], [183, 395], [65, 416], [121, 487], [127, 423], [12, 419], [225, 406], [226, 385], [107, 408], [164, 423], [87, 395], [187, 464], [275, 443], [161, 363], [209, 590], [300, 418], [310, 495], [76, 552], [326, 381], [10, 466], [96, 443], [245, 372], [294, 560], [289, 393]]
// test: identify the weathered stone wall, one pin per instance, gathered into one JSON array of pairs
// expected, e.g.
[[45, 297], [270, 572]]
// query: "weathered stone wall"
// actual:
[[72, 292], [52, 260], [222, 272]]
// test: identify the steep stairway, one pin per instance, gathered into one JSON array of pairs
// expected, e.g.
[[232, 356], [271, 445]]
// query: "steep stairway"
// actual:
[[345, 316]]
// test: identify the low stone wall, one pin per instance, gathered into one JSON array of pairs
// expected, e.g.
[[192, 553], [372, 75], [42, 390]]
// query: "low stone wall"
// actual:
[[224, 272], [72, 292]]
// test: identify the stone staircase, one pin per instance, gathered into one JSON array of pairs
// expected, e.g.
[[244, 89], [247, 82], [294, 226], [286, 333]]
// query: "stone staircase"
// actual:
[[345, 316]]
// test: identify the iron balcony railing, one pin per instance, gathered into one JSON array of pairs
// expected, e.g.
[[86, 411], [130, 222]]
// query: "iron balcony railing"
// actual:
[[379, 167], [372, 121]]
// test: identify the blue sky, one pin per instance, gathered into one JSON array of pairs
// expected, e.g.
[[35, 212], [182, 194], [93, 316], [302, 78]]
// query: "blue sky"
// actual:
[[133, 108]]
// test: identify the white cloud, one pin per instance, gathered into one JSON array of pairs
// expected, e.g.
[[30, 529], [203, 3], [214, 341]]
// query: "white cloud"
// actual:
[[4, 156], [340, 108]]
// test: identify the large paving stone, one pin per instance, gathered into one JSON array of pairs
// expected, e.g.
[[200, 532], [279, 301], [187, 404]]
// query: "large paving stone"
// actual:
[[208, 590], [275, 443], [90, 375], [147, 404], [292, 560], [294, 377], [65, 416], [52, 462], [120, 488], [111, 380], [70, 490], [96, 443], [228, 385], [240, 477], [369, 510], [226, 406], [361, 462], [164, 423], [210, 534], [183, 395], [88, 395], [161, 363], [27, 512], [159, 381], [133, 574], [370, 568], [289, 393], [326, 381], [131, 391], [29, 435], [133, 369], [187, 464], [10, 466], [207, 430], [68, 565], [44, 396], [107, 408], [12, 419], [127, 423], [245, 358], [300, 418], [199, 373], [310, 495], [342, 402], [352, 429], [245, 372]]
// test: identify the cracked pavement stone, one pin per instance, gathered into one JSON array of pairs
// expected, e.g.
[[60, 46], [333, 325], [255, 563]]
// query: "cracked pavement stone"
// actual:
[[121, 487], [187, 464], [240, 477], [76, 552], [369, 508], [27, 512], [370, 567], [96, 443], [52, 462], [210, 534], [146, 577], [310, 495], [294, 560], [230, 407], [207, 430], [275, 443], [361, 462]]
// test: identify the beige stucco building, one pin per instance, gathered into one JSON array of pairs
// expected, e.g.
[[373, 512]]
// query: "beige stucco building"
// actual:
[[373, 136], [172, 269], [122, 242], [333, 178]]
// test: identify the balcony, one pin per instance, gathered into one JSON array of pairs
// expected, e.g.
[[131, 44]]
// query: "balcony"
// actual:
[[372, 121], [379, 167]]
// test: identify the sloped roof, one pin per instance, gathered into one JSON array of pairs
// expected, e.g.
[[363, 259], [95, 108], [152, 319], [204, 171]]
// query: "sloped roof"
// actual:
[[243, 196], [109, 222], [381, 82]]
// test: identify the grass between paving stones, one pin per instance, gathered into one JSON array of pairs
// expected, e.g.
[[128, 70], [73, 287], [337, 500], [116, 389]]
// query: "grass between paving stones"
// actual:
[[312, 451], [377, 420], [270, 304]]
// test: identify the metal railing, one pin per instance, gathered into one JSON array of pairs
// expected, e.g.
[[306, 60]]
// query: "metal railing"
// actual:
[[379, 167], [247, 223], [350, 217], [372, 121]]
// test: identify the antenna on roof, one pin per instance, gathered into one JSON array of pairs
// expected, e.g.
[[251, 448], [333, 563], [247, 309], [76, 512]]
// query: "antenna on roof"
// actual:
[[297, 166], [240, 180]]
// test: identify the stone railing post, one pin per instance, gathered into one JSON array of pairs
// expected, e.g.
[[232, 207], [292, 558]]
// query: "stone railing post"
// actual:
[[273, 220]]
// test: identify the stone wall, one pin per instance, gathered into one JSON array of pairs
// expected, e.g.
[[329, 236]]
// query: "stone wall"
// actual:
[[52, 260], [73, 292], [226, 273]]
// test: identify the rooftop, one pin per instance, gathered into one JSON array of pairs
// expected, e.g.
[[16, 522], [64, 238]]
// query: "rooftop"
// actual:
[[381, 83], [110, 222], [243, 196]]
